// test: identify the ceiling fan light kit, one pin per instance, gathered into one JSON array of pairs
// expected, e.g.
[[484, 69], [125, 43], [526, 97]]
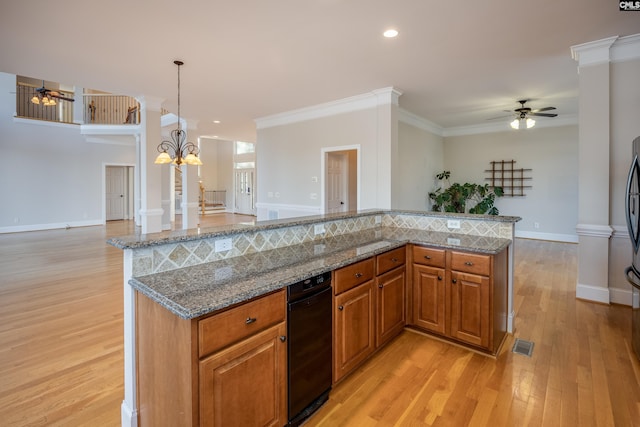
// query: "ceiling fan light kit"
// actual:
[[47, 97], [523, 119]]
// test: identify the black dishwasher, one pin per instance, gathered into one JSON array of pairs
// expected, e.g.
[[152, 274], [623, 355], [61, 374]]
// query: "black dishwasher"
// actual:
[[309, 346]]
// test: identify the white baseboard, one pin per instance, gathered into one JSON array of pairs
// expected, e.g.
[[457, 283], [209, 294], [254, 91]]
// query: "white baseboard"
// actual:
[[554, 237], [128, 417], [621, 296], [593, 293], [51, 226]]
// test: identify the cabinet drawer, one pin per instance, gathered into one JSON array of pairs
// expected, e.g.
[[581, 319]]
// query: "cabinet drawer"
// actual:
[[471, 263], [429, 256], [390, 260], [352, 275], [221, 330]]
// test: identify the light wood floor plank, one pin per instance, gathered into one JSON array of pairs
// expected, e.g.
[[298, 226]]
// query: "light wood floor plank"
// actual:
[[61, 355]]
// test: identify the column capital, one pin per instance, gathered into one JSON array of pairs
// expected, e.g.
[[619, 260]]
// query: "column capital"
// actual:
[[592, 53]]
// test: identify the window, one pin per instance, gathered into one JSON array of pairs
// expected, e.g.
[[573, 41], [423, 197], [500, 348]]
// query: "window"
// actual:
[[244, 165], [245, 147]]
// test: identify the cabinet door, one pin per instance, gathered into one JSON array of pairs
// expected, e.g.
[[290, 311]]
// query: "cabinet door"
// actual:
[[353, 329], [390, 305], [244, 385], [470, 308], [429, 299]]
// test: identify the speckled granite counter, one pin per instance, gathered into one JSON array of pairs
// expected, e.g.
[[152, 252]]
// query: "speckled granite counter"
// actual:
[[197, 290]]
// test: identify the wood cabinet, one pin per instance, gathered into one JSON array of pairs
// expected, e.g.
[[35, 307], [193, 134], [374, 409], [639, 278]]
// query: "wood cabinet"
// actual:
[[221, 370], [353, 317], [390, 295], [461, 295], [369, 308]]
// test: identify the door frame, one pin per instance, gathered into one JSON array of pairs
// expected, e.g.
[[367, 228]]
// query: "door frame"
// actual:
[[323, 173], [129, 190]]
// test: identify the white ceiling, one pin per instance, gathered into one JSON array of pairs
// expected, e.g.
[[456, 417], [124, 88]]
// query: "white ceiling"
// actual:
[[457, 63]]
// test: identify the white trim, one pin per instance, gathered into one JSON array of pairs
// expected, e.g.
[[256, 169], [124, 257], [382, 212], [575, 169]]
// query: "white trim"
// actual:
[[313, 210], [593, 53], [45, 123], [612, 49], [626, 48], [51, 226], [345, 105], [409, 118], [124, 140], [621, 296], [592, 293], [554, 237], [594, 230], [123, 129], [128, 410], [620, 232]]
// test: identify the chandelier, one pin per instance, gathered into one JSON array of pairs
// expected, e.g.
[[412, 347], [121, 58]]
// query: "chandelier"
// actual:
[[522, 122], [178, 150]]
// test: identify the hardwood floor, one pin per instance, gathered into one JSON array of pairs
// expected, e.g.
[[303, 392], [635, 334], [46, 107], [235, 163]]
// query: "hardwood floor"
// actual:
[[61, 356]]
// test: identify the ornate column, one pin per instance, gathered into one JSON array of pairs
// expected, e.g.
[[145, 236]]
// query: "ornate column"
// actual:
[[593, 227]]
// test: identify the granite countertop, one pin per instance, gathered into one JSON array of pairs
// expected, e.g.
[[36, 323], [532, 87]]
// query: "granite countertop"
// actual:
[[145, 240], [198, 290]]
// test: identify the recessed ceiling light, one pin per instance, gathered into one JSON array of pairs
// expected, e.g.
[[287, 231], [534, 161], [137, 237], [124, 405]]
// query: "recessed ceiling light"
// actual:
[[391, 33], [216, 121]]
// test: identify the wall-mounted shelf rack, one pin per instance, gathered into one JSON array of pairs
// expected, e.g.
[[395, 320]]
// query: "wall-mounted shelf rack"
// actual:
[[513, 181]]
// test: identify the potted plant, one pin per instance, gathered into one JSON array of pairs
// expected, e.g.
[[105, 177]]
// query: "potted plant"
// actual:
[[464, 198]]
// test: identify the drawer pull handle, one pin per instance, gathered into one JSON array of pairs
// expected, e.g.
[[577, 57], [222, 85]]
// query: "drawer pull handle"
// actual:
[[358, 275], [340, 308], [469, 263], [380, 286], [283, 338], [439, 277], [427, 257], [250, 320], [394, 259], [454, 280]]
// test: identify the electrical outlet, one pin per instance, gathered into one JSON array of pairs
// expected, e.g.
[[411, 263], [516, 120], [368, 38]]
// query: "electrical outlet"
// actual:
[[222, 245], [453, 223], [378, 219], [313, 196], [536, 225], [318, 229]]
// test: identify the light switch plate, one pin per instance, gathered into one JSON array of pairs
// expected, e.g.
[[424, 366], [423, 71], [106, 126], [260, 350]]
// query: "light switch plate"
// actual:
[[318, 229], [222, 245], [453, 223]]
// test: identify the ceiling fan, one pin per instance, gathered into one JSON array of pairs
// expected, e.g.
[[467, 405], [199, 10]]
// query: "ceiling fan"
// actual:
[[523, 115], [45, 95]]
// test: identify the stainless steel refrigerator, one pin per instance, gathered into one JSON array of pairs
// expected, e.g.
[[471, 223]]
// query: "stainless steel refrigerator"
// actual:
[[632, 202]]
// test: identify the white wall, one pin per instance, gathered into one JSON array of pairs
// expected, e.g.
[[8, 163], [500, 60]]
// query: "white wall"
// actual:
[[421, 157], [50, 175], [289, 155], [551, 153]]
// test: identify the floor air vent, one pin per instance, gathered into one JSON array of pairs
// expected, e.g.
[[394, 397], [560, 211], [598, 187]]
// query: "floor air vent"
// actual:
[[523, 347]]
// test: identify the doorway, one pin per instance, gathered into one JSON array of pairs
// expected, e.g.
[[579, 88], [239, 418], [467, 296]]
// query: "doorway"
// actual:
[[340, 180], [244, 191], [118, 193]]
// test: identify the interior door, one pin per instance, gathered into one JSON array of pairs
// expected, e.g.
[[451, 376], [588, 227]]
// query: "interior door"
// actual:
[[337, 197], [115, 190], [244, 191]]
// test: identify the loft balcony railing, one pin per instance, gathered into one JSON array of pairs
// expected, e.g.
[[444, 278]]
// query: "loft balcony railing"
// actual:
[[107, 109], [61, 112], [97, 108]]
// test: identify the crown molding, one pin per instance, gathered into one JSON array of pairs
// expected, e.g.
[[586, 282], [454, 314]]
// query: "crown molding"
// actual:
[[611, 49], [364, 101], [419, 122], [565, 120]]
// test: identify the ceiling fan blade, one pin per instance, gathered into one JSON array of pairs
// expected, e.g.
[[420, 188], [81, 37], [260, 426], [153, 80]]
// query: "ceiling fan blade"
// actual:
[[543, 109], [543, 114], [64, 98]]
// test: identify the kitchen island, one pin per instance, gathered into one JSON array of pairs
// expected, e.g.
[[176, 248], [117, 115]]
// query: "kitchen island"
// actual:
[[196, 273]]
